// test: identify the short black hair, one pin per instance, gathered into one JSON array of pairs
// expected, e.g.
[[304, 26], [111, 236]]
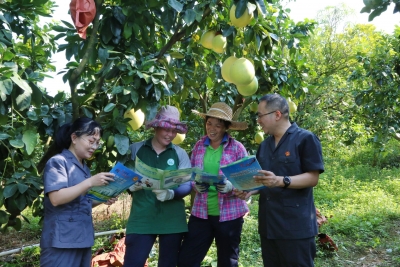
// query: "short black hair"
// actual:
[[276, 102], [80, 127]]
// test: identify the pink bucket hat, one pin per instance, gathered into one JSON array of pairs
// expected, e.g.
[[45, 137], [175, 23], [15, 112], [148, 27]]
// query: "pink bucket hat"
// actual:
[[168, 117]]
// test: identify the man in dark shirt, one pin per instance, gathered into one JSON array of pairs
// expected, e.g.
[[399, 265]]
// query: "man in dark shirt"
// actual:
[[291, 161]]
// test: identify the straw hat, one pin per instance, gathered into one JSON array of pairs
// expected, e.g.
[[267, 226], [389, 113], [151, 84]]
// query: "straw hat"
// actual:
[[222, 111], [168, 117]]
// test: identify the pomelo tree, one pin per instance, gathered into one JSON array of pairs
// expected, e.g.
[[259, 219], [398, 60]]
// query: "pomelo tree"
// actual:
[[136, 56]]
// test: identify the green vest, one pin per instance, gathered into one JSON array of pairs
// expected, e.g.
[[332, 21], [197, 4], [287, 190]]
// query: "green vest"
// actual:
[[148, 214]]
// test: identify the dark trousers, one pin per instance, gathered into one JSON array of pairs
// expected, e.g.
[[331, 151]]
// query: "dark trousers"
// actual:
[[288, 252], [65, 257], [138, 248], [201, 234]]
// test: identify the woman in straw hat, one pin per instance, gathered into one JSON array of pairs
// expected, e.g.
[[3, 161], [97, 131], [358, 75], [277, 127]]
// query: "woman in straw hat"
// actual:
[[217, 213], [158, 213]]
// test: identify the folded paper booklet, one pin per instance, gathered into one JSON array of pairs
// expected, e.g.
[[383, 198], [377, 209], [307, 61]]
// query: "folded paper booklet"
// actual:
[[123, 179], [154, 178], [203, 177], [240, 173]]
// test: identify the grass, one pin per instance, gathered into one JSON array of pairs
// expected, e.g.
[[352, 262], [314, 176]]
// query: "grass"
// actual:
[[360, 201]]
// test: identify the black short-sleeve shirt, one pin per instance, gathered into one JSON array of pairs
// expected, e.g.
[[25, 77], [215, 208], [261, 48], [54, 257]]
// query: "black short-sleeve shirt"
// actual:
[[286, 213]]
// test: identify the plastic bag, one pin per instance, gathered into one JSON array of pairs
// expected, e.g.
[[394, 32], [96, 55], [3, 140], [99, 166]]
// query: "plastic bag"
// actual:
[[82, 13]]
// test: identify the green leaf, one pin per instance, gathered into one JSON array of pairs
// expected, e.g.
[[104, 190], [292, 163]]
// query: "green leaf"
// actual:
[[6, 87], [127, 31], [3, 121], [87, 112], [1, 196], [167, 19], [261, 6], [36, 96], [21, 202], [115, 28], [8, 55], [17, 225], [177, 55], [30, 139], [190, 16], [3, 217], [365, 10], [26, 164], [109, 107], [59, 28], [103, 55], [119, 15], [121, 127], [4, 136], [17, 143], [22, 188], [241, 7], [248, 35], [9, 190], [121, 143], [106, 32], [23, 100], [175, 5]]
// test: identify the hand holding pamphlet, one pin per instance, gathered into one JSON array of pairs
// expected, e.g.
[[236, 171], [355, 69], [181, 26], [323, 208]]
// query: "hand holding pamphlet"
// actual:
[[154, 178], [203, 177], [123, 179], [240, 173]]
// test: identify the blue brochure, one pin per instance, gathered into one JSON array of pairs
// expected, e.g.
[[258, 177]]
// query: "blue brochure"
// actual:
[[240, 173], [123, 179]]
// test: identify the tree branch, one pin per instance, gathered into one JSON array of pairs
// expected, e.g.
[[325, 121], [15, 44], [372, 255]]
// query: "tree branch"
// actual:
[[180, 34], [75, 75]]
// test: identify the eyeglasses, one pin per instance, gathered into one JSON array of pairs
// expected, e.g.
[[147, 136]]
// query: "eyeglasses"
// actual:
[[93, 144], [260, 115]]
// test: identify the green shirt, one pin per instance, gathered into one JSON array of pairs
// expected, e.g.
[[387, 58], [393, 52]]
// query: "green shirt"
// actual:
[[149, 215], [212, 159]]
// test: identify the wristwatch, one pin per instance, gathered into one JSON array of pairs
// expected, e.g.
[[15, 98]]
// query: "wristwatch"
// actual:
[[286, 181]]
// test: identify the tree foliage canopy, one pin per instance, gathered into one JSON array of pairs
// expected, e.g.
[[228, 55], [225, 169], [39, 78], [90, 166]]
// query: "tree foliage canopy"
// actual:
[[137, 55]]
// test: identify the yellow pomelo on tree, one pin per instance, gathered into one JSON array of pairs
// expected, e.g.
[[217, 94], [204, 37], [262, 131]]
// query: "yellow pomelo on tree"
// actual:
[[219, 43], [242, 72], [226, 68], [253, 107], [292, 106], [243, 21], [249, 89], [206, 39], [137, 118], [178, 138], [259, 137]]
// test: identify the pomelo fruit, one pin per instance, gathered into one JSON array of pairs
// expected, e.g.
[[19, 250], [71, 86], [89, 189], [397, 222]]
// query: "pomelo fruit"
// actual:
[[226, 68], [206, 39], [259, 137], [292, 106], [178, 138], [219, 44], [242, 72], [253, 107], [137, 118], [248, 89], [241, 22]]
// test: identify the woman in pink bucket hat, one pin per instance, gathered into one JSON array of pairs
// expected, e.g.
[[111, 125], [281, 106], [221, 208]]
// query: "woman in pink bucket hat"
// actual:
[[158, 213]]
